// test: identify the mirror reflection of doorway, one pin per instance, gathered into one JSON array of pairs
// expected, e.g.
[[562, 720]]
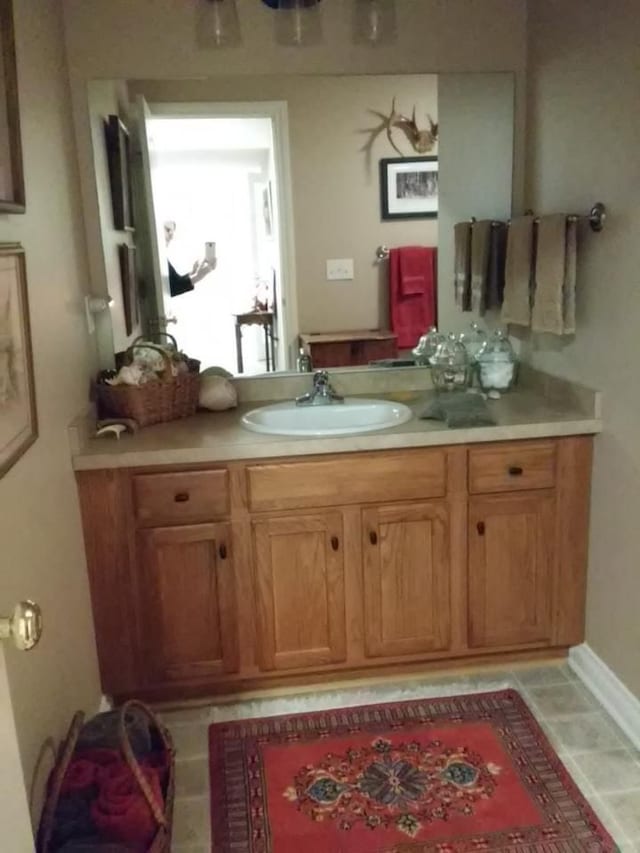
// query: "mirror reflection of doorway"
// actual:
[[216, 187]]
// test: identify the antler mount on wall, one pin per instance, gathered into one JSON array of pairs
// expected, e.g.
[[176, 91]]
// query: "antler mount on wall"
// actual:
[[422, 141]]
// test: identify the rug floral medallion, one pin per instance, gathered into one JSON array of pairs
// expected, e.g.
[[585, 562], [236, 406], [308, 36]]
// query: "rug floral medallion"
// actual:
[[454, 775]]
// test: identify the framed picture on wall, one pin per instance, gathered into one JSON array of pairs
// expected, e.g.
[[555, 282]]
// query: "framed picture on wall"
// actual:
[[409, 187], [119, 159], [18, 418], [12, 196], [127, 255]]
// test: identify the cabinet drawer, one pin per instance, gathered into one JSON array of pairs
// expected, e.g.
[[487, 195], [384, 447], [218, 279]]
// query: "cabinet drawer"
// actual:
[[180, 497], [512, 467], [365, 478]]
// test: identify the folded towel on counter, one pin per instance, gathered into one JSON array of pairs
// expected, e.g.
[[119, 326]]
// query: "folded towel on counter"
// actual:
[[462, 265], [555, 276], [480, 249], [411, 313], [516, 304], [495, 274], [458, 409]]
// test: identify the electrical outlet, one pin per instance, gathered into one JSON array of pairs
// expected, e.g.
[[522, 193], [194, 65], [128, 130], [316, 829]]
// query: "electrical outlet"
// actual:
[[340, 269]]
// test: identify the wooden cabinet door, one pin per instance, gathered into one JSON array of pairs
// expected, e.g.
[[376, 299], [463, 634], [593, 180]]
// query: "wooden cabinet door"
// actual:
[[300, 590], [406, 579], [511, 560], [186, 595]]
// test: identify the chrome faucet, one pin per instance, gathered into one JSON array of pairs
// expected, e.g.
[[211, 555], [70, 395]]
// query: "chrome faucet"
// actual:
[[322, 393]]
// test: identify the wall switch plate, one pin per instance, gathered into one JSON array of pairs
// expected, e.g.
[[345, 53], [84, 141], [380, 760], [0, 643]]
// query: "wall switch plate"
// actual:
[[340, 269]]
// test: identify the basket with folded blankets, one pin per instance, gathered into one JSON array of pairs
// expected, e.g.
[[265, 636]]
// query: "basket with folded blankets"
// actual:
[[112, 788]]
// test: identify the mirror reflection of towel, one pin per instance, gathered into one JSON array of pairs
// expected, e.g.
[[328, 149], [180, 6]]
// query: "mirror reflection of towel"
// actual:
[[412, 306], [480, 246], [462, 265]]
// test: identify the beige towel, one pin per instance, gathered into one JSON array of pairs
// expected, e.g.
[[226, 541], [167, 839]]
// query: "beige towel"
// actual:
[[569, 295], [480, 245], [462, 265], [555, 278], [516, 307]]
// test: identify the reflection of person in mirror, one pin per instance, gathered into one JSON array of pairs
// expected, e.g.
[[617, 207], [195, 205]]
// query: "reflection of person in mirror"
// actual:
[[184, 283]]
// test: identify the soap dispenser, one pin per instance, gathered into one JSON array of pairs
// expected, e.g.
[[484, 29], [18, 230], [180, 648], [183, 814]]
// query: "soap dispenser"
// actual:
[[304, 362]]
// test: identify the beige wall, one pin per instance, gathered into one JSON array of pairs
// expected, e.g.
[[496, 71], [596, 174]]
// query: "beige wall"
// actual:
[[335, 186], [584, 147], [42, 552]]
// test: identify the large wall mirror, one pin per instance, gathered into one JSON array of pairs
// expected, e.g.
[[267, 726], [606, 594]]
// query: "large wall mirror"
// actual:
[[259, 213]]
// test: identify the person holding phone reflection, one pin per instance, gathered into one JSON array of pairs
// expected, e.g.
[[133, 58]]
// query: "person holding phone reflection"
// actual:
[[179, 284]]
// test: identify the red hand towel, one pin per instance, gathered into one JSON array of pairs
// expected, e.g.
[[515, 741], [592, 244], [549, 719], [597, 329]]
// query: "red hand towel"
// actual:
[[416, 266], [412, 292], [121, 812]]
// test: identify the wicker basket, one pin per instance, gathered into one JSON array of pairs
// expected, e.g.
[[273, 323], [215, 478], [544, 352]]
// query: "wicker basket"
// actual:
[[168, 399], [162, 813]]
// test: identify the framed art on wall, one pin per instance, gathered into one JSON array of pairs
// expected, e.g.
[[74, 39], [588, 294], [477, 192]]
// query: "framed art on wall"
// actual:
[[12, 195], [409, 187], [119, 159], [18, 417]]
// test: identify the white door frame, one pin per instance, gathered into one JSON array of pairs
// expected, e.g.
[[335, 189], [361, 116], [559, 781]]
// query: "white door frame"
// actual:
[[15, 820], [278, 112]]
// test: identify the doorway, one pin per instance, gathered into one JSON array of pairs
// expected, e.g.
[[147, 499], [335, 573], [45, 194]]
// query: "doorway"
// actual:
[[217, 182]]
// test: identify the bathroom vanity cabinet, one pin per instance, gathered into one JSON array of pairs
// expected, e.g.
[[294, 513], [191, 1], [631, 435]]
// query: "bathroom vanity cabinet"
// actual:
[[222, 578]]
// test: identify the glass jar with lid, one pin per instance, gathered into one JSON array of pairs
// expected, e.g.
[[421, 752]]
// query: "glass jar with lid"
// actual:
[[474, 340], [450, 367], [497, 364], [426, 347]]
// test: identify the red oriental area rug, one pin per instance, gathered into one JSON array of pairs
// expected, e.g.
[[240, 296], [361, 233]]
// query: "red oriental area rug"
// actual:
[[455, 775]]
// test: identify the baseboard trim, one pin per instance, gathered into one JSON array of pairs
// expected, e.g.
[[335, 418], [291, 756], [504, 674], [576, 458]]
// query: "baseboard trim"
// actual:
[[616, 698]]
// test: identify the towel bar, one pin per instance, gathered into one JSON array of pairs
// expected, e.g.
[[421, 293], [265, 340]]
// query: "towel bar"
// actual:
[[596, 218]]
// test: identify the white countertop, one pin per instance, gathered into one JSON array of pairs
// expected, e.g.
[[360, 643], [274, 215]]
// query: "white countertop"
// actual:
[[543, 407]]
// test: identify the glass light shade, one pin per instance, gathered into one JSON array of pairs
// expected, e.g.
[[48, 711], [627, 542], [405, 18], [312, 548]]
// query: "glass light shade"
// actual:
[[297, 22], [217, 24], [374, 21]]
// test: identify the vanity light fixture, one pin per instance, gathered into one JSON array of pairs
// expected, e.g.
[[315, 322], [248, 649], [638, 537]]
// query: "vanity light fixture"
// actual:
[[217, 24], [374, 21], [297, 23]]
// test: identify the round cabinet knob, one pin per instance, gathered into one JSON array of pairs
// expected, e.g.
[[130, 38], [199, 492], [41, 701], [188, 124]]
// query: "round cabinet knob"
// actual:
[[515, 471], [373, 537], [24, 627], [181, 497], [335, 543]]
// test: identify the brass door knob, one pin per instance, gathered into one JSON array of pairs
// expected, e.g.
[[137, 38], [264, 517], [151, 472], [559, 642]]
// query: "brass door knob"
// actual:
[[24, 627]]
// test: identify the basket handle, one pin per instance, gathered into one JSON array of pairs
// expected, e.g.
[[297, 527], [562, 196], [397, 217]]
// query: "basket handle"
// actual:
[[174, 342], [166, 374], [156, 808], [55, 783]]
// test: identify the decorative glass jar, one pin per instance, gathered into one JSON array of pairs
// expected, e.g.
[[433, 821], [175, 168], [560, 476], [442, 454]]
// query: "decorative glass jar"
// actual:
[[426, 347], [450, 367], [497, 364], [474, 340]]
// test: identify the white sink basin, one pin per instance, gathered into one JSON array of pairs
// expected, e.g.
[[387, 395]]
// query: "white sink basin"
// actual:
[[353, 416]]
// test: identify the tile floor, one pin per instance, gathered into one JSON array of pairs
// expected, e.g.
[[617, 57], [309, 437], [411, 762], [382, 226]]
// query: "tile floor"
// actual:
[[604, 764]]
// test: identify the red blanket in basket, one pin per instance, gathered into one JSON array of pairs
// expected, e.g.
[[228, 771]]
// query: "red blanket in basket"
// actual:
[[119, 810]]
